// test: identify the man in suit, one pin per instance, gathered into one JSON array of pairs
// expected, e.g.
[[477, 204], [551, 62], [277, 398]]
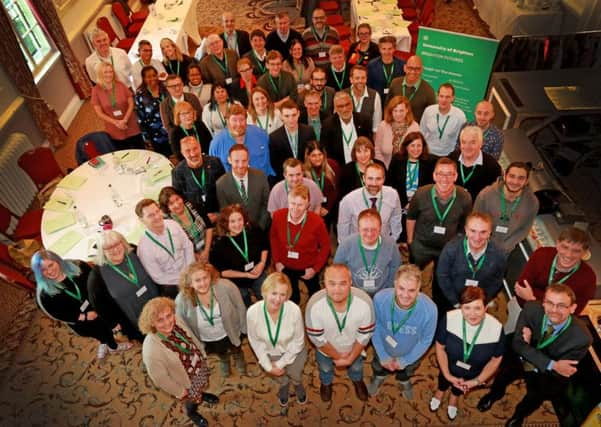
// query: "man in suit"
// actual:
[[236, 40], [219, 66], [340, 131], [288, 140], [281, 38], [175, 87], [550, 342], [245, 186], [312, 114]]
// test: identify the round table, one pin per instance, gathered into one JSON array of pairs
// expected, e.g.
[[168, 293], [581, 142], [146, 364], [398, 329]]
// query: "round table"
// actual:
[[134, 174]]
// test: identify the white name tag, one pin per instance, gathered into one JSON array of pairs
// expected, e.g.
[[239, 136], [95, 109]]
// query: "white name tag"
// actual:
[[322, 54], [117, 113], [391, 341], [228, 81], [369, 284], [471, 282], [194, 360], [292, 255], [501, 229], [141, 291], [324, 200], [386, 90], [249, 266], [463, 365], [204, 197], [300, 86], [439, 230], [84, 305]]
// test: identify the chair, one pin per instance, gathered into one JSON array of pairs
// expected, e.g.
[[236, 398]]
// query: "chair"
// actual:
[[130, 27], [427, 15], [344, 32], [333, 20], [12, 272], [104, 24], [27, 226], [92, 145], [346, 45], [43, 169], [329, 7]]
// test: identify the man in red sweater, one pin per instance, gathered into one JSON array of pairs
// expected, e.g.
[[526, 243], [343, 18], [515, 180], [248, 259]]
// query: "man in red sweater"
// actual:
[[300, 243]]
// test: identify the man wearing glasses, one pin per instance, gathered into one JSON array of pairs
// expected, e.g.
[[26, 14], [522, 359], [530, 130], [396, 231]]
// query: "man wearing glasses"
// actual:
[[146, 59], [279, 84], [319, 38], [326, 94], [175, 87]]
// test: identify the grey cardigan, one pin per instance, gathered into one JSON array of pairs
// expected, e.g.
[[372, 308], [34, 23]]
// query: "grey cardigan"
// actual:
[[231, 306]]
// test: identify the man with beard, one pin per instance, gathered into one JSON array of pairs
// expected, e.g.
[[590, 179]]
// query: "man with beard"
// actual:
[[413, 87], [366, 101], [318, 84]]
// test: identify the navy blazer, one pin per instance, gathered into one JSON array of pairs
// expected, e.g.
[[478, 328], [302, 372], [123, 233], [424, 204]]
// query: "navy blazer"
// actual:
[[280, 150], [243, 42]]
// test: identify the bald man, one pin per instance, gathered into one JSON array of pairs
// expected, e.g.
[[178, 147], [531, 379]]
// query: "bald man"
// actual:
[[492, 136]]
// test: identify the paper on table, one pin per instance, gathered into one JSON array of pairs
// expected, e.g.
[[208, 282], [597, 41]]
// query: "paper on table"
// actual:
[[66, 242], [59, 222], [128, 156], [158, 175], [58, 205], [72, 182]]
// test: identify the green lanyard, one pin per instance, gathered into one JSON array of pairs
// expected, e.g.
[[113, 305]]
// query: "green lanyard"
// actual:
[[324, 101], [132, 277], [272, 339], [367, 204], [171, 69], [292, 244], [397, 326], [359, 174], [266, 128], [181, 337], [203, 178], [442, 217], [340, 82], [364, 258], [552, 338], [416, 87], [160, 245], [260, 63], [347, 140], [319, 181], [113, 97], [441, 130], [275, 86], [299, 73], [348, 305], [293, 140], [193, 229], [478, 266], [388, 75], [223, 121], [465, 179], [71, 294], [564, 278], [209, 317], [322, 38], [194, 129], [504, 216], [244, 252], [467, 349], [412, 174], [222, 64]]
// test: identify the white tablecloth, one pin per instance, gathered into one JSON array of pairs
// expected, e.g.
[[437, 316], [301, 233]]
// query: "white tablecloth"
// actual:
[[504, 17], [385, 19], [93, 199], [174, 19]]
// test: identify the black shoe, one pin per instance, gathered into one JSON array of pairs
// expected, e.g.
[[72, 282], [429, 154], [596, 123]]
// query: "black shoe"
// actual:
[[361, 390], [514, 422], [199, 420], [210, 398], [486, 402], [325, 391]]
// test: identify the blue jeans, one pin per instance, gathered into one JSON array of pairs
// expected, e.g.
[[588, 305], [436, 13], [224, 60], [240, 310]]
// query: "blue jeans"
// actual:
[[326, 368]]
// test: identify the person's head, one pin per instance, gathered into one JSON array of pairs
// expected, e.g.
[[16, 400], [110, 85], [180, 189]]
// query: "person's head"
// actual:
[[318, 79], [516, 177], [298, 202], [446, 96], [171, 201], [219, 94], [445, 175], [364, 33], [184, 114], [343, 105], [150, 76], [236, 120], [101, 42], [398, 110], [337, 57], [197, 280], [257, 40], [414, 146], [559, 303], [245, 68], [290, 114], [413, 69], [170, 50], [238, 158], [484, 114], [190, 149], [174, 85], [260, 102], [48, 269], [470, 142], [274, 63], [113, 247], [145, 51], [194, 74], [293, 172], [338, 281], [276, 290], [315, 155], [572, 244], [374, 178], [149, 213], [358, 77], [105, 73], [386, 46], [282, 22], [312, 103], [231, 220], [296, 50], [369, 226], [319, 19], [472, 302], [407, 283], [215, 44], [478, 228], [158, 315], [363, 151], [229, 22]]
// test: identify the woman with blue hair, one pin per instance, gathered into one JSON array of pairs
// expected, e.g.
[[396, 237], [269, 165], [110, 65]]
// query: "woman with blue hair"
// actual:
[[62, 293]]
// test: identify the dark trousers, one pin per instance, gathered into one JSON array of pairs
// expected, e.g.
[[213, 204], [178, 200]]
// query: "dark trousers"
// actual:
[[540, 387], [221, 347], [192, 412], [169, 291], [510, 370], [98, 329], [444, 384], [402, 375], [421, 255], [311, 284]]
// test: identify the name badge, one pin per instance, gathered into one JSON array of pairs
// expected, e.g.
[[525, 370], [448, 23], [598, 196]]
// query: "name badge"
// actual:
[[117, 113], [204, 197], [440, 230], [501, 229], [321, 54], [292, 255], [324, 199], [391, 341], [386, 90], [471, 282], [249, 266], [464, 365], [300, 86], [369, 284], [194, 360], [84, 305], [228, 81], [141, 291]]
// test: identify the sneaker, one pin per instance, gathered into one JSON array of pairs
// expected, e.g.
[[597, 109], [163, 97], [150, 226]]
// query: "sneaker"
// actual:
[[102, 351], [301, 394], [283, 396], [452, 412], [122, 346], [434, 404], [407, 390]]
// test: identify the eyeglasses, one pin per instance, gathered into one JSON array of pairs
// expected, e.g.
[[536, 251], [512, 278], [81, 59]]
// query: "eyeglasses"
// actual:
[[415, 69], [174, 86], [363, 34], [560, 306]]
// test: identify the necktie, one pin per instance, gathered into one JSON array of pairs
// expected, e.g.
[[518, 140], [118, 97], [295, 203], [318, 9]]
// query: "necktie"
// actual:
[[528, 367], [373, 202], [243, 193]]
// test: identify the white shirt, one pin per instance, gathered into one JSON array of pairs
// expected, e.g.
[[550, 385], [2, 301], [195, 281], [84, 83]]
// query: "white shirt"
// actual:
[[433, 122], [348, 129], [136, 70], [479, 159], [208, 332], [358, 104], [118, 58]]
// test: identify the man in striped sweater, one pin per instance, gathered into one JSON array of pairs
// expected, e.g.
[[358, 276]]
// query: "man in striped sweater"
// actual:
[[319, 38]]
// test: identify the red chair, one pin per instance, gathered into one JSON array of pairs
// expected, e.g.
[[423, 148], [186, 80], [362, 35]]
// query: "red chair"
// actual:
[[346, 45], [104, 24], [344, 32], [41, 166], [130, 27], [330, 7], [413, 11], [333, 20], [27, 226], [427, 15], [11, 272]]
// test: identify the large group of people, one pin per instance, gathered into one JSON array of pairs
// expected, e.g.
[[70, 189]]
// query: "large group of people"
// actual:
[[279, 141]]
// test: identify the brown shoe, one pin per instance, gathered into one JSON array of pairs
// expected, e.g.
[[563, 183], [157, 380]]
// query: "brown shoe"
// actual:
[[360, 390], [325, 391]]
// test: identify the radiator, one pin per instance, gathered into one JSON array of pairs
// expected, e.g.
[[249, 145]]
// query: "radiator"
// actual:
[[17, 190]]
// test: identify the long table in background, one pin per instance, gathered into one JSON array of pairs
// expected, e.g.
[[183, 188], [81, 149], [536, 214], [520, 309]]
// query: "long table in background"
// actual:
[[385, 19], [134, 174]]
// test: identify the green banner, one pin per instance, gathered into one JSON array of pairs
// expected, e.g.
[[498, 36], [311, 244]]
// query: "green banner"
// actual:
[[462, 60]]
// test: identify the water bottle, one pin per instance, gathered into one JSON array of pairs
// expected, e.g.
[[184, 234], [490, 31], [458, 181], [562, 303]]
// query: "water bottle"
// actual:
[[115, 196], [80, 217]]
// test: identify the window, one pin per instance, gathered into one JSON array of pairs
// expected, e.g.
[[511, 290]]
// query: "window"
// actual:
[[34, 42]]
